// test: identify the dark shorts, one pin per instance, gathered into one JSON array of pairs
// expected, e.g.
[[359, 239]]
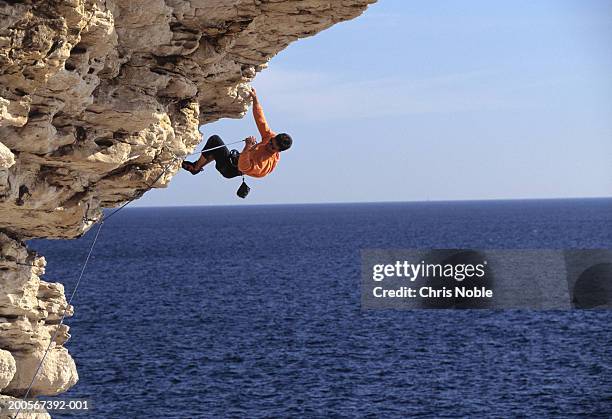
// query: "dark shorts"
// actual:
[[226, 162]]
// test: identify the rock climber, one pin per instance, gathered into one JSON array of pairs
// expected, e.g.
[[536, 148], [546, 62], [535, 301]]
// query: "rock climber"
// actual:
[[256, 159]]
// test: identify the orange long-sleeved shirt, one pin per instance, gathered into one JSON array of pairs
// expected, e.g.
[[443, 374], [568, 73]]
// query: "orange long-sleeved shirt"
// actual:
[[258, 161]]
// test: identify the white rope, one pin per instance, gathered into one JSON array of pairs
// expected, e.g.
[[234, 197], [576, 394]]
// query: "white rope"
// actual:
[[52, 341], [214, 148]]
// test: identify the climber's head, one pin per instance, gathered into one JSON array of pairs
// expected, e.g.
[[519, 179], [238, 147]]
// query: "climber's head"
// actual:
[[280, 142]]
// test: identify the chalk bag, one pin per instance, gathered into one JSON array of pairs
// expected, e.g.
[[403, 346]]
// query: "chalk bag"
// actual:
[[243, 190]]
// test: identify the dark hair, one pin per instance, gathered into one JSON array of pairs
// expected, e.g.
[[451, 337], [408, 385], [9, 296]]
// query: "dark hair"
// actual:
[[283, 141]]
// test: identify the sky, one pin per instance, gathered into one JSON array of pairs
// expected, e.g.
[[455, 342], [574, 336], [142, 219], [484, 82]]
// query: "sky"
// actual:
[[421, 100]]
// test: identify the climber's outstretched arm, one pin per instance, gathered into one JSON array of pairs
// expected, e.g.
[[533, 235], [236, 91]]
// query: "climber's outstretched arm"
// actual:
[[258, 115]]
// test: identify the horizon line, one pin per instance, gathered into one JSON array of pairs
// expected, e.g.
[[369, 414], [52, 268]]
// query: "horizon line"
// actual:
[[372, 202]]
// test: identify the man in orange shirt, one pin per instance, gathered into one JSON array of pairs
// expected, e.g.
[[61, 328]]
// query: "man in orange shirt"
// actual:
[[256, 159]]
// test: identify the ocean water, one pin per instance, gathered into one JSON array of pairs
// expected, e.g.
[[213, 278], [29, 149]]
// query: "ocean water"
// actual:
[[254, 311]]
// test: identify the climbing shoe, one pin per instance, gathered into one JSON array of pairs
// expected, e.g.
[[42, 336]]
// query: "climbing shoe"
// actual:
[[189, 166]]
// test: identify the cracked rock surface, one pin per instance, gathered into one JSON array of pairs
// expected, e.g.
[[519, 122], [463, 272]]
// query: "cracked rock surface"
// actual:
[[97, 98]]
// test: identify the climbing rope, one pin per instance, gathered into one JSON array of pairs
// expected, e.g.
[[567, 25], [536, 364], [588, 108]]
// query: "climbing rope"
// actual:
[[91, 248], [162, 173], [62, 318], [125, 204], [214, 148]]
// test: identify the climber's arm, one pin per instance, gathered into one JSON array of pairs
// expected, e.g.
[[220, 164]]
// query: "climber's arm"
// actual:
[[245, 163], [260, 119]]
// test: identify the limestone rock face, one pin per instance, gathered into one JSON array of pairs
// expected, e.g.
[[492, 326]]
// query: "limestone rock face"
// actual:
[[7, 368], [99, 102], [97, 97], [30, 310]]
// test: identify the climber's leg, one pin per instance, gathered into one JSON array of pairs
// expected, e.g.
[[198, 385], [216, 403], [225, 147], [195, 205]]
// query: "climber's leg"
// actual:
[[227, 167], [222, 157], [216, 154], [201, 162], [207, 156]]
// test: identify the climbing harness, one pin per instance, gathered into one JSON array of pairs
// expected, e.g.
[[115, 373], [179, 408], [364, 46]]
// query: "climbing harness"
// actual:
[[104, 219], [244, 189]]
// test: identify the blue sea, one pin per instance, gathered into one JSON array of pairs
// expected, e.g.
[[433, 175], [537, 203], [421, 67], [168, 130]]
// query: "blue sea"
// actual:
[[254, 312]]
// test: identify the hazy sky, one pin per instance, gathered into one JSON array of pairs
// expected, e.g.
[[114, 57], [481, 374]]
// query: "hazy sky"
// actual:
[[433, 100]]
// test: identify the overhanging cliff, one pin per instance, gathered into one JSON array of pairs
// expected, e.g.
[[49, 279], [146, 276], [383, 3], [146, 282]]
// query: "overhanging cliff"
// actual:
[[96, 98]]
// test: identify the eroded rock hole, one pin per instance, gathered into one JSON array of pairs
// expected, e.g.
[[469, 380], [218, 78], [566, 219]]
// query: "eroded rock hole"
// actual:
[[104, 142]]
